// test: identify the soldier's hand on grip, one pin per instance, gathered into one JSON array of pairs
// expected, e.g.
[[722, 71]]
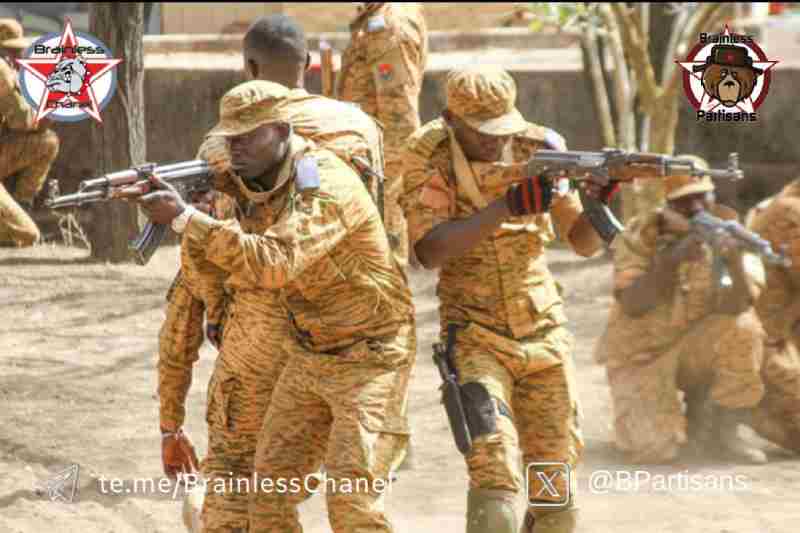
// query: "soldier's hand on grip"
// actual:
[[178, 455], [164, 203], [689, 249], [530, 196]]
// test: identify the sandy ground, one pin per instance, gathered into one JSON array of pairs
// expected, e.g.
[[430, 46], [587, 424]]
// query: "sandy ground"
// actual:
[[78, 345]]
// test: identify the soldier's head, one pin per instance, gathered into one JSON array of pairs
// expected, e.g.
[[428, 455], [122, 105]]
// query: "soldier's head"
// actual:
[[12, 43], [689, 194], [481, 111], [275, 50], [255, 122]]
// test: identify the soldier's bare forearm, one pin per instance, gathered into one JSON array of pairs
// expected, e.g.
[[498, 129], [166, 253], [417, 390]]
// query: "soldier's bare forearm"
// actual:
[[584, 238], [453, 238]]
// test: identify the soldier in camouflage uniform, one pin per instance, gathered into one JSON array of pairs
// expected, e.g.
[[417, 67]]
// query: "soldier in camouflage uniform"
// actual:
[[666, 306], [274, 50], [475, 212], [777, 417], [382, 71], [324, 250], [26, 150]]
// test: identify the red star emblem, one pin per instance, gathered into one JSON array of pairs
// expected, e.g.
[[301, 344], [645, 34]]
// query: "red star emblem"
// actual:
[[729, 57], [82, 96]]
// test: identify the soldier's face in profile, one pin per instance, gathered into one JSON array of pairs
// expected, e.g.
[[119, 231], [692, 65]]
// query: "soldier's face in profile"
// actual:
[[691, 204], [477, 146], [257, 152]]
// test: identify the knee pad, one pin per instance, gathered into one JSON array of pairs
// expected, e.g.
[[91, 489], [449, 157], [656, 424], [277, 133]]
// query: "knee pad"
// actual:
[[491, 511], [561, 520]]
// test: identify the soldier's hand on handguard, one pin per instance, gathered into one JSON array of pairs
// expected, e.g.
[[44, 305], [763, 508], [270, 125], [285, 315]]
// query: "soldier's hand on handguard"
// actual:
[[178, 455], [728, 248], [162, 205], [530, 196]]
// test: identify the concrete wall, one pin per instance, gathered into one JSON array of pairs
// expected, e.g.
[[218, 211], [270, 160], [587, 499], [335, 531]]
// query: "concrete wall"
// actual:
[[317, 17], [182, 104]]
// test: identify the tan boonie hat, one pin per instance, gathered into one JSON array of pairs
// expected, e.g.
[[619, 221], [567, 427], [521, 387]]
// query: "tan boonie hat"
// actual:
[[11, 35], [684, 185], [484, 98], [250, 105]]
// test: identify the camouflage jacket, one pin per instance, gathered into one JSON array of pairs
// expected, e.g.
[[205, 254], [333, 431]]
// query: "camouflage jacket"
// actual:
[[383, 66], [326, 253], [15, 112], [779, 222], [503, 283]]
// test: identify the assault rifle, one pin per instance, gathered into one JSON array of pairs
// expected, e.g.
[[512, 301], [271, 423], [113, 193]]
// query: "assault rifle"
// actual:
[[711, 229], [187, 177], [618, 166]]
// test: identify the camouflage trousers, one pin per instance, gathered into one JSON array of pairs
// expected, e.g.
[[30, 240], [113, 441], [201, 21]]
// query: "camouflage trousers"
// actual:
[[394, 219], [27, 157], [534, 403], [250, 362], [343, 410], [777, 417], [721, 352]]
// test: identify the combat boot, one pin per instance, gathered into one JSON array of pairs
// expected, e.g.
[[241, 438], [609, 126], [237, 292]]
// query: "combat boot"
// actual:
[[727, 443], [491, 511], [563, 520]]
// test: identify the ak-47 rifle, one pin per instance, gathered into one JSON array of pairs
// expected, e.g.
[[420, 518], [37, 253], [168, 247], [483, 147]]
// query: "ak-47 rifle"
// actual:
[[187, 177], [618, 166], [711, 229]]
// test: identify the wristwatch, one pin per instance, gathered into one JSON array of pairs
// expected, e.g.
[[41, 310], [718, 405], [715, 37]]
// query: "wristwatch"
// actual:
[[180, 221]]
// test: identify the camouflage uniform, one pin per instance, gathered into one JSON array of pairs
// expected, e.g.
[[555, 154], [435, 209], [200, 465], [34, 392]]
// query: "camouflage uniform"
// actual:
[[778, 415], [382, 71], [650, 358], [344, 130], [26, 152], [512, 339], [340, 396]]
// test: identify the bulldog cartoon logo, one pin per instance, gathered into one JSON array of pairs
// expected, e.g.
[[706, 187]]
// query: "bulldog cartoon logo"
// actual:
[[726, 77]]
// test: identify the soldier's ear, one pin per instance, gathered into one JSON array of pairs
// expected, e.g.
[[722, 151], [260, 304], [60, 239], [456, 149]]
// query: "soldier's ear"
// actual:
[[308, 60]]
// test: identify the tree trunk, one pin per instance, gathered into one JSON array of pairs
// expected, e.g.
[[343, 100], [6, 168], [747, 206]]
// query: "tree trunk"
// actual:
[[119, 142]]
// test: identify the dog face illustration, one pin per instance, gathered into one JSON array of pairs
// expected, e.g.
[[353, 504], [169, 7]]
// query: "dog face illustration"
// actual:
[[730, 85], [68, 76]]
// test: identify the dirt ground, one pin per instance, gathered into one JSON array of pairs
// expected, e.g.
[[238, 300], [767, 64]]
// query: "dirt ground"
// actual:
[[78, 347]]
